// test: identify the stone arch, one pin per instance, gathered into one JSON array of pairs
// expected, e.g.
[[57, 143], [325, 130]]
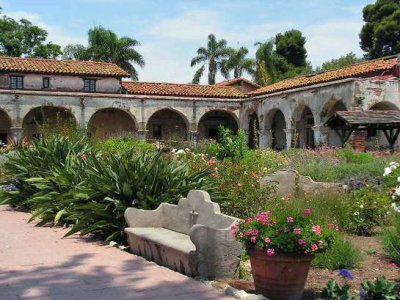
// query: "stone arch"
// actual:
[[276, 125], [254, 131], [5, 125], [211, 120], [303, 121], [110, 122], [46, 115], [384, 105], [377, 138], [167, 124], [330, 136]]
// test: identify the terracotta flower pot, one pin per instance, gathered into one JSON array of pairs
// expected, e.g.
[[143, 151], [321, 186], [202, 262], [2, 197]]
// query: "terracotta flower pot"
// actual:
[[281, 276]]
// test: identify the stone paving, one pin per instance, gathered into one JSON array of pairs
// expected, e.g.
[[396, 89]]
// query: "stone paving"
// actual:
[[36, 263]]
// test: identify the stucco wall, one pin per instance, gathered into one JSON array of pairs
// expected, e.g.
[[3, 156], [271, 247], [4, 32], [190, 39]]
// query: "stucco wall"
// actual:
[[62, 83]]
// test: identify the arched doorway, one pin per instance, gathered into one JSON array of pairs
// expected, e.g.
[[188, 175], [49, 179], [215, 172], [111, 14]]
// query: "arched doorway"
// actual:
[[111, 122], [277, 127], [52, 116], [210, 121], [167, 124], [254, 129], [5, 125], [304, 133], [328, 111]]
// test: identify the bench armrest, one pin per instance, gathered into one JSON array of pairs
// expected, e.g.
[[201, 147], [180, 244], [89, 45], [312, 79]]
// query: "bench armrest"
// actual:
[[216, 250], [143, 218]]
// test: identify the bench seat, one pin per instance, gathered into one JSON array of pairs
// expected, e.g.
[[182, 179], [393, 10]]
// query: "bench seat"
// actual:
[[172, 239]]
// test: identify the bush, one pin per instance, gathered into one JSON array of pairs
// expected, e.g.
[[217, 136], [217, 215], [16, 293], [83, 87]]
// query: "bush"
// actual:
[[369, 208], [390, 238], [380, 289], [123, 144], [342, 255], [325, 206], [355, 157], [40, 161]]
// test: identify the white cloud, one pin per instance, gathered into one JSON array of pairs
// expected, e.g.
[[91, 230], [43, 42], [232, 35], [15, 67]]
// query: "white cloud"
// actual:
[[332, 39], [56, 34]]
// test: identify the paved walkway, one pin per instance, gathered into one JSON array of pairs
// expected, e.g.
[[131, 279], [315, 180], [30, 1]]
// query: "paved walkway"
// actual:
[[36, 263]]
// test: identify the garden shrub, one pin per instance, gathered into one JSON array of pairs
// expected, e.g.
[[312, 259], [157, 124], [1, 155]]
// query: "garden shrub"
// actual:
[[369, 208], [350, 156], [123, 144], [380, 289], [325, 206], [231, 145], [390, 238], [40, 161], [343, 254]]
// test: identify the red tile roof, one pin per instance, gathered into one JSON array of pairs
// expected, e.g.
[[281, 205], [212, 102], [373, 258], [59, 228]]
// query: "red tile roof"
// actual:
[[367, 68], [62, 67], [181, 90], [237, 80]]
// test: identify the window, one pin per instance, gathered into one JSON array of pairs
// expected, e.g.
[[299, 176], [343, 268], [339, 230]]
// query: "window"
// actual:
[[16, 82], [89, 85], [46, 82]]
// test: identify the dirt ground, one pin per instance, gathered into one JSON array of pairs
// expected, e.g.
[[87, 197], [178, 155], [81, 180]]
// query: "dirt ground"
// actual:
[[375, 264]]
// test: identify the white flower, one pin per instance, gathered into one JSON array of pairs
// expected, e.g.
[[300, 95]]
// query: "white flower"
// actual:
[[122, 248], [180, 151], [113, 244], [387, 171], [361, 206], [396, 207], [397, 191], [393, 163], [173, 150], [356, 213], [398, 179]]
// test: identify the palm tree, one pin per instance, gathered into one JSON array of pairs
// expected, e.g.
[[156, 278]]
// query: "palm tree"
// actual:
[[265, 72], [214, 55], [238, 62], [105, 45]]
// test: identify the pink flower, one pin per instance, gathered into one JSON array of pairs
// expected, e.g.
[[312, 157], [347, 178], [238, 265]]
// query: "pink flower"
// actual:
[[320, 243], [251, 232], [270, 252], [253, 239], [307, 211], [249, 220], [301, 242], [267, 240], [240, 184], [316, 229], [331, 226], [289, 219], [297, 231], [314, 247], [84, 157]]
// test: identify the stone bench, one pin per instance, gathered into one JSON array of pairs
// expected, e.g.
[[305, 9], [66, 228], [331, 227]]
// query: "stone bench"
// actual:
[[192, 237]]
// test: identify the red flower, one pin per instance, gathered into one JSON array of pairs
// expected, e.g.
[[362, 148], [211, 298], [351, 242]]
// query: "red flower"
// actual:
[[307, 211]]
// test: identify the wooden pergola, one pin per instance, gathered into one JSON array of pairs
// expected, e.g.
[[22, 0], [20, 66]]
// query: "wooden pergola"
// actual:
[[345, 122]]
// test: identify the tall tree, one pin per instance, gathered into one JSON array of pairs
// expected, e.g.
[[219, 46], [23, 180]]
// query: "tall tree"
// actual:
[[265, 72], [380, 35], [105, 45], [291, 46], [283, 57], [22, 38], [238, 63], [345, 60], [214, 55], [76, 52]]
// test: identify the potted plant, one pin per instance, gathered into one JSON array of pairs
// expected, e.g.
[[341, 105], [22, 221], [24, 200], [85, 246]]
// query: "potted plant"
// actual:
[[281, 249]]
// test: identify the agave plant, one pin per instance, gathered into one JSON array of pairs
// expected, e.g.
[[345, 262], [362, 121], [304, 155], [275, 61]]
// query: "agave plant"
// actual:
[[114, 183], [28, 169]]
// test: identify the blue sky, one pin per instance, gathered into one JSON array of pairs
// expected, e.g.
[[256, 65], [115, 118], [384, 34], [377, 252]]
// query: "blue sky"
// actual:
[[170, 31]]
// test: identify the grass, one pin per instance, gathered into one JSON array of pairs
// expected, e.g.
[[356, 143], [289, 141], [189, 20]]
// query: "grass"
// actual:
[[342, 255]]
